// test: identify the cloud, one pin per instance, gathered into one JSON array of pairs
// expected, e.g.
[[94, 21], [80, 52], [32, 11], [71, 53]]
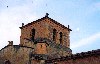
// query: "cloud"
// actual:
[[10, 21], [86, 41]]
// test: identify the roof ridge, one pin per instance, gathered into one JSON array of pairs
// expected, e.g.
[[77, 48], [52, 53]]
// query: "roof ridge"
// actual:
[[46, 16], [77, 55], [16, 46], [32, 22]]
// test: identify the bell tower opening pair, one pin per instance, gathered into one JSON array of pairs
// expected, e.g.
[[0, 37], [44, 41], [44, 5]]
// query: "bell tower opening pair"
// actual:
[[54, 35]]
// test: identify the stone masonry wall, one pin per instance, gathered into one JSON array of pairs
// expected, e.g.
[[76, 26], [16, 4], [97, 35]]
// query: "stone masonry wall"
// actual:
[[57, 50], [87, 60], [41, 48], [90, 57], [15, 54], [65, 33], [50, 48], [44, 29]]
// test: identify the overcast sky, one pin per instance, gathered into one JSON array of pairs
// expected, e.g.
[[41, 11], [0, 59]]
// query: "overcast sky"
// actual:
[[83, 16]]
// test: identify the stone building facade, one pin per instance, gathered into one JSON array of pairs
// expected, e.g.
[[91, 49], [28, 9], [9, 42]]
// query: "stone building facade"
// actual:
[[40, 40], [44, 41]]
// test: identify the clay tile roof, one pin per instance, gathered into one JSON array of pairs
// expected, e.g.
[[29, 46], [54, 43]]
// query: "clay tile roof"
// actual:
[[46, 17]]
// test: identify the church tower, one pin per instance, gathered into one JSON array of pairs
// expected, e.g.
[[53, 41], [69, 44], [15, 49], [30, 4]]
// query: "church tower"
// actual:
[[46, 36]]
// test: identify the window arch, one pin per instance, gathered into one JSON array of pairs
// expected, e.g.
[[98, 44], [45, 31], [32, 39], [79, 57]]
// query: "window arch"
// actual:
[[60, 37], [54, 34], [33, 34]]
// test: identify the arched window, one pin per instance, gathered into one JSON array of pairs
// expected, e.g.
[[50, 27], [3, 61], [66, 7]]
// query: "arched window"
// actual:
[[33, 34], [54, 34], [60, 37]]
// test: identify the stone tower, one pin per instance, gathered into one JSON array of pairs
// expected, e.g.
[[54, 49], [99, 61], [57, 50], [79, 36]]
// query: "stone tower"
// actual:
[[47, 37]]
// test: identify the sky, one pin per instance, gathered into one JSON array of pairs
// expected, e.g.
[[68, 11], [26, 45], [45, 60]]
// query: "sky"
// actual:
[[83, 16]]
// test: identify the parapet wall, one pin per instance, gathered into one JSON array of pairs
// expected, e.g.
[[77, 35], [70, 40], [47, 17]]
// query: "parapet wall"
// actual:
[[90, 57]]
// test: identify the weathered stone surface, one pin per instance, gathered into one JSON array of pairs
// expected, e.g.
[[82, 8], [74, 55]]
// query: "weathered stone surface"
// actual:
[[90, 57], [16, 54], [44, 29]]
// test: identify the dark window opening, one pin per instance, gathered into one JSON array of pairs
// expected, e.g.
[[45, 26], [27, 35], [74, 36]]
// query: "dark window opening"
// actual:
[[60, 37], [33, 34], [54, 34], [41, 46], [7, 62]]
